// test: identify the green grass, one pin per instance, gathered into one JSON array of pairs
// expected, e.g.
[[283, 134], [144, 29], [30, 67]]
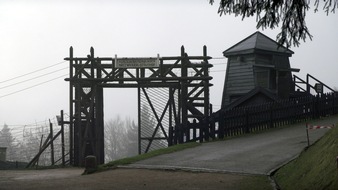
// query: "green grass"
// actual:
[[315, 168], [154, 153], [255, 182]]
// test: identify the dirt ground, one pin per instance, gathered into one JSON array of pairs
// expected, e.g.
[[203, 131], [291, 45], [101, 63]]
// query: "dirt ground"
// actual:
[[71, 178]]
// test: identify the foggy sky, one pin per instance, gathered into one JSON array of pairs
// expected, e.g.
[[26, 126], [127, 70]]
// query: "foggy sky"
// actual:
[[38, 34]]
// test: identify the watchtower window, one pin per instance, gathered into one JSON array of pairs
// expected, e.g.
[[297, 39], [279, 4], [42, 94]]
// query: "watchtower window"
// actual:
[[262, 78]]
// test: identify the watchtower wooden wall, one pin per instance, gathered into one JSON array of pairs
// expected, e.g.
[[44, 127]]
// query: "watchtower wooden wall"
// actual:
[[257, 61]]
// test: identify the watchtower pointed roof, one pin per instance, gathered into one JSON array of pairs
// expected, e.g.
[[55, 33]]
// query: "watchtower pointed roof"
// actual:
[[257, 42]]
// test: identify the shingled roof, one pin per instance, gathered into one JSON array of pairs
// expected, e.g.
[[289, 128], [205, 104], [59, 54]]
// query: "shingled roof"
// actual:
[[257, 42]]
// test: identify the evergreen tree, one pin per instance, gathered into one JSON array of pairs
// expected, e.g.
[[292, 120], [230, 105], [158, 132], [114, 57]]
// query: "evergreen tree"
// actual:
[[290, 14], [8, 141]]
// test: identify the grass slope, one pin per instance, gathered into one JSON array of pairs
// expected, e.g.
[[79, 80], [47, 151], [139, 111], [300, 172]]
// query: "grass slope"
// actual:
[[315, 168], [130, 160]]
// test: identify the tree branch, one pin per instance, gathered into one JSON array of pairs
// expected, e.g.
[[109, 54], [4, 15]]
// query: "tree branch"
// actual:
[[269, 13]]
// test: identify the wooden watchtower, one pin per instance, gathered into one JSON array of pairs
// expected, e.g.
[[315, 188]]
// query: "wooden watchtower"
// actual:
[[258, 70]]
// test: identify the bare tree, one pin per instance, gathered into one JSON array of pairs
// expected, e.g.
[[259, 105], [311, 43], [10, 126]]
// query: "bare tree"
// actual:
[[132, 137], [121, 138], [115, 139], [269, 13]]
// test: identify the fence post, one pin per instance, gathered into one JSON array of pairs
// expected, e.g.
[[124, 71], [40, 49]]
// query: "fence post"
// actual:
[[271, 116], [176, 134], [212, 127], [62, 139], [181, 133], [194, 129], [221, 124], [307, 134], [206, 128], [170, 139], [201, 132], [51, 144], [333, 102], [247, 128], [315, 107], [187, 132]]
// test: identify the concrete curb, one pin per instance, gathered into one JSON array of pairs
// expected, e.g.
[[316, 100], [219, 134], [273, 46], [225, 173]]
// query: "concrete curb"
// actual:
[[188, 169]]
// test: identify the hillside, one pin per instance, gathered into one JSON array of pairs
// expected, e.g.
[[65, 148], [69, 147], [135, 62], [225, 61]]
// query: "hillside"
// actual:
[[315, 168]]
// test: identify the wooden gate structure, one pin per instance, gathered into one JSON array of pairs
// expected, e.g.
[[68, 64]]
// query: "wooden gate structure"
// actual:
[[183, 82]]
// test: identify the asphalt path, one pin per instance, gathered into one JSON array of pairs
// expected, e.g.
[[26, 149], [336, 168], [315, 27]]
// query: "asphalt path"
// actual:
[[250, 154]]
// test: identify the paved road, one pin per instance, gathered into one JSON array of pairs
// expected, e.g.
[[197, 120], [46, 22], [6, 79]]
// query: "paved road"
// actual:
[[253, 154]]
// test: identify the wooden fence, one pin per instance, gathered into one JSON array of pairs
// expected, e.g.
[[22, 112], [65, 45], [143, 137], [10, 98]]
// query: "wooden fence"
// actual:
[[241, 120]]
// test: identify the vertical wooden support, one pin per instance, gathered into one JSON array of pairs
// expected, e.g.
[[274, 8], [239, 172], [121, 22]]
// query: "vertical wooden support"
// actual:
[[206, 95], [99, 126], [99, 121], [333, 103], [139, 119], [62, 139], [307, 134], [171, 129], [77, 126], [52, 143], [184, 95], [171, 134], [212, 124], [307, 84], [194, 135], [221, 124], [206, 83], [71, 110]]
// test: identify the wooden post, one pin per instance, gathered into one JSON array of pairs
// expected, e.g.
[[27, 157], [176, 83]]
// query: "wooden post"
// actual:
[[206, 127], [271, 116], [194, 129], [62, 139], [186, 133], [176, 134], [170, 139], [139, 119], [71, 110], [37, 161], [212, 124], [307, 84], [201, 131], [221, 124], [207, 109], [184, 94], [247, 128], [51, 144], [307, 134]]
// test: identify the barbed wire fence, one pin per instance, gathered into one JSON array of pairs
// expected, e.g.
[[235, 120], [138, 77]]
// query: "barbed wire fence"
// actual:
[[27, 140]]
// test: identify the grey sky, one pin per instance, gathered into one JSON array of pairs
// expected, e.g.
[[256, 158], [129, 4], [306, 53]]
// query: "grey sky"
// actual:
[[37, 34]]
